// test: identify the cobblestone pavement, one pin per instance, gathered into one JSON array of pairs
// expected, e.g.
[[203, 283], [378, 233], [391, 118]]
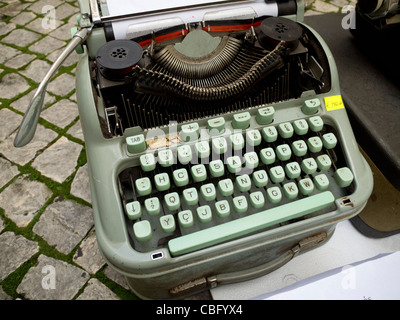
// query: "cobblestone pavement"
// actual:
[[48, 248]]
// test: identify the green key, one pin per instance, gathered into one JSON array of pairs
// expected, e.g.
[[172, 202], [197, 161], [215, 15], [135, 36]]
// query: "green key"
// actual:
[[199, 172], [162, 182], [283, 152], [316, 123], [243, 182], [181, 177], [184, 154], [329, 140], [190, 132], [190, 196], [260, 178], [219, 145], [240, 204], [343, 177], [309, 165], [143, 186], [142, 230], [172, 201], [315, 144], [136, 144], [249, 224], [208, 192], [225, 186], [265, 115], [152, 206], [237, 141], [147, 162], [253, 138], [321, 182], [299, 148], [292, 170], [185, 218], [202, 149], [204, 213], [167, 223], [311, 106], [270, 134], [216, 125], [216, 168], [165, 158], [257, 199], [324, 162], [251, 160], [234, 164], [286, 130], [222, 208], [300, 127], [306, 186], [277, 174], [133, 210], [274, 195], [290, 190], [241, 120], [267, 155]]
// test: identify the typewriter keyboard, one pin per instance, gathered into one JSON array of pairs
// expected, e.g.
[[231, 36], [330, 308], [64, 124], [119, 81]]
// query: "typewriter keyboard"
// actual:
[[206, 192]]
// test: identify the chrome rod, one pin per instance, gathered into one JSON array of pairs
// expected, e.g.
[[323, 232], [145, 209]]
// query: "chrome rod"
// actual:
[[29, 123]]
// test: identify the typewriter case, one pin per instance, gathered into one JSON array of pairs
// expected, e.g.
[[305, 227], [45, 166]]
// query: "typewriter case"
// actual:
[[158, 274]]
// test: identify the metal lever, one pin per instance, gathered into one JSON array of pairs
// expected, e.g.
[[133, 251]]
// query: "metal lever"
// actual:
[[29, 123]]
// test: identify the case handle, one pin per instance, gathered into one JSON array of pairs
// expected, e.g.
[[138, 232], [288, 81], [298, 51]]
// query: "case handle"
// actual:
[[210, 282]]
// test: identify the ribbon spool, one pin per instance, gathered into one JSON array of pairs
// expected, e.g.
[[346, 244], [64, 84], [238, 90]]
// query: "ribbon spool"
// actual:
[[117, 58], [276, 29]]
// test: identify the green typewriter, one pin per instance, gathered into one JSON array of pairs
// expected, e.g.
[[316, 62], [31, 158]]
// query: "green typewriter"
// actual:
[[217, 140]]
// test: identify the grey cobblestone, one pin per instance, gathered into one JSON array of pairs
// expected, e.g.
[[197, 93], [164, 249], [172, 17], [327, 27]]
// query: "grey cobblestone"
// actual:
[[23, 199], [88, 255], [19, 61], [95, 290], [27, 153], [61, 113], [7, 53], [13, 85], [64, 224], [21, 37], [62, 85], [14, 251], [12, 120], [36, 70], [37, 283], [80, 186], [44, 187], [63, 149], [7, 172], [22, 103]]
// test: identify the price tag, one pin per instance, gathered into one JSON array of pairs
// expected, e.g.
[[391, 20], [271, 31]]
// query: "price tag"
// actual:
[[334, 103]]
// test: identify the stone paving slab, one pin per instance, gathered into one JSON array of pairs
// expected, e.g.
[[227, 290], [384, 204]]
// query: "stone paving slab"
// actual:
[[66, 151], [95, 290], [52, 279], [14, 251], [48, 247], [23, 199], [64, 224]]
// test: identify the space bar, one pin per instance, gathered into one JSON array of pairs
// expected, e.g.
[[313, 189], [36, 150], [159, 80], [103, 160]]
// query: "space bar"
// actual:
[[248, 224]]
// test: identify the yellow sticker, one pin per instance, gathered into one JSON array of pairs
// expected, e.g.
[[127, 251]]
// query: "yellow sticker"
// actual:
[[334, 103]]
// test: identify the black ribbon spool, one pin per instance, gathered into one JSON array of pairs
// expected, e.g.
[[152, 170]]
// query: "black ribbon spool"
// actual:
[[273, 30], [117, 58]]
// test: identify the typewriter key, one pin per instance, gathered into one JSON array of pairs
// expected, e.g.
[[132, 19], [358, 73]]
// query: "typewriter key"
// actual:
[[117, 58]]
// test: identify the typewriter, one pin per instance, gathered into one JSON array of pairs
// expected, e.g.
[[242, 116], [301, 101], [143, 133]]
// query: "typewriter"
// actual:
[[217, 141]]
